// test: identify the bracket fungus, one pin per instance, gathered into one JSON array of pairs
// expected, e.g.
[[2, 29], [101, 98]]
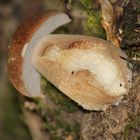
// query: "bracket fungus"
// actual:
[[88, 70]]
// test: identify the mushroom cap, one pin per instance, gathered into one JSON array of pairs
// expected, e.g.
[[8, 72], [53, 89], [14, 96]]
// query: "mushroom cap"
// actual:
[[27, 33]]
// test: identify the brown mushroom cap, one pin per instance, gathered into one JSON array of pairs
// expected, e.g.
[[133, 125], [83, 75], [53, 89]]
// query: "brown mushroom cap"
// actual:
[[20, 69]]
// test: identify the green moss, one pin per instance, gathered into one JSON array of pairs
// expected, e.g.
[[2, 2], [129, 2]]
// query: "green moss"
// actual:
[[133, 125], [59, 128], [54, 122], [93, 26], [14, 127], [127, 129], [76, 130], [87, 4]]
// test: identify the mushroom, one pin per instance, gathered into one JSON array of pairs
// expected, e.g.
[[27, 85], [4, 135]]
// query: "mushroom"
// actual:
[[88, 70]]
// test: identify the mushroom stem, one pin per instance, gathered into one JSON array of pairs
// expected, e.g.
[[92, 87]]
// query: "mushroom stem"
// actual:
[[83, 68]]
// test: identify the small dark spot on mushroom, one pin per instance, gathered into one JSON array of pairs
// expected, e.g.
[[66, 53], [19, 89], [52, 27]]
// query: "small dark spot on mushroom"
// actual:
[[123, 58], [129, 81], [120, 85], [72, 72]]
